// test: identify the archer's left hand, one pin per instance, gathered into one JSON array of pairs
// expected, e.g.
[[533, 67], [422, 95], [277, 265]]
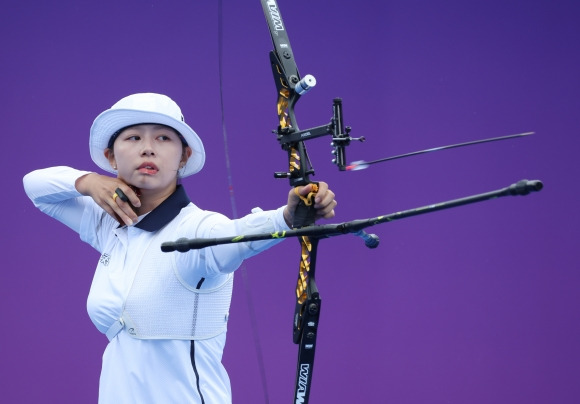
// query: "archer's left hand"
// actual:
[[324, 202]]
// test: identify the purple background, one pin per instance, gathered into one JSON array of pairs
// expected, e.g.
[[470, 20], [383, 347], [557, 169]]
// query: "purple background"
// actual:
[[473, 305]]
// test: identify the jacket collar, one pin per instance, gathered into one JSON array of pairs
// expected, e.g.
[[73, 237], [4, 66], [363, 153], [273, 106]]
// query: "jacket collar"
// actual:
[[165, 212]]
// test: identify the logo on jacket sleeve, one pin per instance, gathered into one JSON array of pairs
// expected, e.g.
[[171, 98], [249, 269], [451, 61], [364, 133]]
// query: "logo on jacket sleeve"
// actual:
[[105, 258]]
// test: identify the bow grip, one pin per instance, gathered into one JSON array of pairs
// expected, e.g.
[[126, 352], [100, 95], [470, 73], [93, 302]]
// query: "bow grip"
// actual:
[[305, 214]]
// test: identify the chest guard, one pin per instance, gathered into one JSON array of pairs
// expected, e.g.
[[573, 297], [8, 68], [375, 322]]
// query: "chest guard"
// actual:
[[160, 305]]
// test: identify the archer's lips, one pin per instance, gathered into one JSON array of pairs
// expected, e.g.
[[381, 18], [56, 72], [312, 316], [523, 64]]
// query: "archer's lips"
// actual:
[[147, 168]]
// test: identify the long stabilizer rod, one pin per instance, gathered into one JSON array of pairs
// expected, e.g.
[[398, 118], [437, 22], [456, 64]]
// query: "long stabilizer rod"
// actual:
[[523, 187]]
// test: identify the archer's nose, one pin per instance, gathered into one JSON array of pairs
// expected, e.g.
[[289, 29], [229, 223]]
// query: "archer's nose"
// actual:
[[147, 149]]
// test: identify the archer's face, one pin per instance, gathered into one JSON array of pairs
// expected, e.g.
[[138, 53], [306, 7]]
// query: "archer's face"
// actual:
[[148, 156]]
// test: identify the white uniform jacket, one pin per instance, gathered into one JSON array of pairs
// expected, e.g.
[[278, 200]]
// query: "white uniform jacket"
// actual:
[[169, 309]]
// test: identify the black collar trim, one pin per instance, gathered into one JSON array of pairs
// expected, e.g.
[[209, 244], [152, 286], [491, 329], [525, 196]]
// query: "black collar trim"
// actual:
[[165, 212]]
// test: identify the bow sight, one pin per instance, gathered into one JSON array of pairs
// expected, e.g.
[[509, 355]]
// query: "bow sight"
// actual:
[[290, 88]]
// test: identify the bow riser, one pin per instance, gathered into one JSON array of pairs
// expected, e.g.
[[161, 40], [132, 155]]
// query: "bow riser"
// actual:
[[289, 87]]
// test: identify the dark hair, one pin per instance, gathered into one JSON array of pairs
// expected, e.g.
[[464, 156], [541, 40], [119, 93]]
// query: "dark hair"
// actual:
[[115, 135]]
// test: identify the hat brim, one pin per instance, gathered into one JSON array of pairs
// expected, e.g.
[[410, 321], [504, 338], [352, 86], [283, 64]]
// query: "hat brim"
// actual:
[[110, 121]]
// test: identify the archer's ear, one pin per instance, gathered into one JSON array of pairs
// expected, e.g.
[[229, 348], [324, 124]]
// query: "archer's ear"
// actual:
[[111, 157], [187, 152]]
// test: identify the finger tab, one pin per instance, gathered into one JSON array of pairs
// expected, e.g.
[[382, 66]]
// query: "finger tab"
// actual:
[[121, 195]]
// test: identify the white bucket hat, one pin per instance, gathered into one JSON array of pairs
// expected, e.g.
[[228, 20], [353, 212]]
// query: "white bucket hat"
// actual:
[[140, 109]]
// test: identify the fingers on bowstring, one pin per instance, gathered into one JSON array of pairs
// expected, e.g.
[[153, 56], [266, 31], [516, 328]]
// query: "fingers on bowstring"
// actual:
[[123, 211]]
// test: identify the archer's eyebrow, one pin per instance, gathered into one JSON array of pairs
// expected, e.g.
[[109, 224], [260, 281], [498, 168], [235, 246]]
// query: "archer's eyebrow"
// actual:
[[164, 127], [155, 127]]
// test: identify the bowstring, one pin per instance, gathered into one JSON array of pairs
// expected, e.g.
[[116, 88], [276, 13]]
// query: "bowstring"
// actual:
[[243, 270]]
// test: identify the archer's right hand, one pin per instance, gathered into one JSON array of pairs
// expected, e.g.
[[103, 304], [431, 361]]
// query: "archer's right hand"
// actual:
[[102, 189]]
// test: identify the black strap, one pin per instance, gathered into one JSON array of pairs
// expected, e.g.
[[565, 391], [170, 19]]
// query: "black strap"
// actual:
[[192, 355]]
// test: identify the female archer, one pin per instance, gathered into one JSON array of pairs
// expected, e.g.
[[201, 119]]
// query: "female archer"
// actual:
[[165, 314]]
